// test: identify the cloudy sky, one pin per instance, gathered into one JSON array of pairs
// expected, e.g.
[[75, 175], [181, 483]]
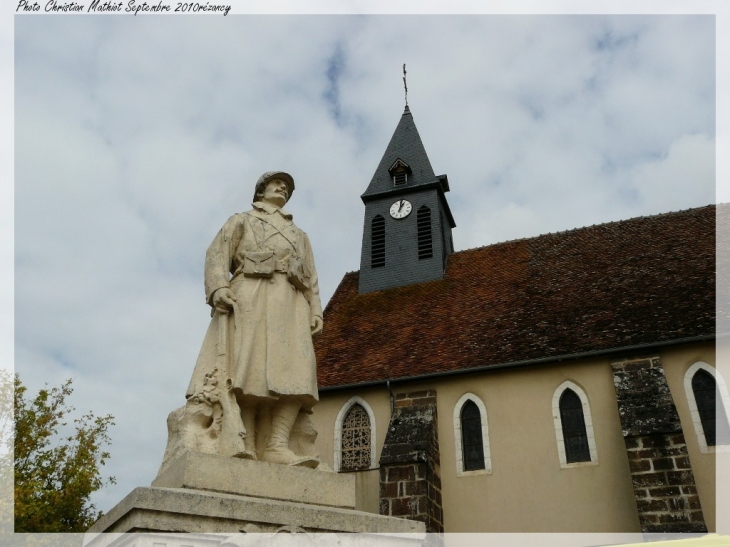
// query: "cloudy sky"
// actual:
[[137, 137]]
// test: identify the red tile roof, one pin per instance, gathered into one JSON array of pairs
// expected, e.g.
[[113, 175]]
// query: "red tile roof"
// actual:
[[646, 280]]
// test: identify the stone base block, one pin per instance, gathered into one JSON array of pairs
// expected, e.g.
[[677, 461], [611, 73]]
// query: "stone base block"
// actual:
[[178, 539], [197, 471], [156, 509], [209, 501]]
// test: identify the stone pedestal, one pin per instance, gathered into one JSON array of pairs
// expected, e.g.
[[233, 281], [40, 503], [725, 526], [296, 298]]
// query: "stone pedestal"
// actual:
[[196, 471], [228, 502]]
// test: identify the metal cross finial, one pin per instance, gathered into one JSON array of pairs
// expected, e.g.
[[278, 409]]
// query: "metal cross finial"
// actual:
[[404, 82]]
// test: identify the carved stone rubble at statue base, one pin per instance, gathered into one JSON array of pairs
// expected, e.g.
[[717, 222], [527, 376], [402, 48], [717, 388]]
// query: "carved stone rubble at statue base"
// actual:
[[210, 423], [215, 498], [199, 424]]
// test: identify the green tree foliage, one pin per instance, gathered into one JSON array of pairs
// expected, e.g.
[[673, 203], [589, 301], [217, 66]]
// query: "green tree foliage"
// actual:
[[55, 474], [6, 454]]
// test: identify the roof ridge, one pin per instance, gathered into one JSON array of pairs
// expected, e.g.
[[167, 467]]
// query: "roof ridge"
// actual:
[[569, 230]]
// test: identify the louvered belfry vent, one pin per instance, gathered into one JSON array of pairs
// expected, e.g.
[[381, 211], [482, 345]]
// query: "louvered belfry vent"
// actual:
[[425, 241], [377, 234], [399, 171], [444, 255]]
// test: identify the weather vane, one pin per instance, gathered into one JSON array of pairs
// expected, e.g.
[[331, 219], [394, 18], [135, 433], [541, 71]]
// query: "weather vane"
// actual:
[[404, 82]]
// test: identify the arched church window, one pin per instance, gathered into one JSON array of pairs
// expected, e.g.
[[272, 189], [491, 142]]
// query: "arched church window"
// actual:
[[377, 237], [471, 437], [709, 401], [574, 428], [714, 423], [425, 243], [576, 440], [356, 440]]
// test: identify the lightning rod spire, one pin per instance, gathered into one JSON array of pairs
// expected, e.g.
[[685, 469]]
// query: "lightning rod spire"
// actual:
[[405, 85]]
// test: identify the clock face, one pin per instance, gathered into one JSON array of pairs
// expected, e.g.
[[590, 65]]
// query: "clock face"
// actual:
[[401, 208]]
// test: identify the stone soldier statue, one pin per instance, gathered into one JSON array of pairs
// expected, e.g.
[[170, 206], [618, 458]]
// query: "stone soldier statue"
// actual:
[[255, 379]]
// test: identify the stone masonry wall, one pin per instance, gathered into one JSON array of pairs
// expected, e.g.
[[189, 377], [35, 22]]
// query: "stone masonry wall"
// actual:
[[664, 484], [410, 482], [666, 496]]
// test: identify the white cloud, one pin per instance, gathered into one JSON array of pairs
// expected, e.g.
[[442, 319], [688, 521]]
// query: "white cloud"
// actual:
[[682, 177]]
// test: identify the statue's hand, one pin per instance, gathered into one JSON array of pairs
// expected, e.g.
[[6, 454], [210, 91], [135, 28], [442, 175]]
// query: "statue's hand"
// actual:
[[316, 324], [223, 300]]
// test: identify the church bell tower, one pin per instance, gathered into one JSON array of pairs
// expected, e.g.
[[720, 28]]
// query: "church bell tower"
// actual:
[[407, 228]]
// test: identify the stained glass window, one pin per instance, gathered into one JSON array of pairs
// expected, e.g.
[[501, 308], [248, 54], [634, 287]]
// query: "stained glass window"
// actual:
[[705, 391], [574, 428], [471, 437]]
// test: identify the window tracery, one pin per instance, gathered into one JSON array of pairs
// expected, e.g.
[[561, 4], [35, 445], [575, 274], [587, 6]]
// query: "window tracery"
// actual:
[[356, 439]]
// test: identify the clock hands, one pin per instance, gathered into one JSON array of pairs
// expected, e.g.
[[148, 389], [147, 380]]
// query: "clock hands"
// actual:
[[400, 209]]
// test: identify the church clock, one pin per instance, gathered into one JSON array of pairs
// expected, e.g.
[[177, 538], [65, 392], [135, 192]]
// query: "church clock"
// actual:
[[401, 209]]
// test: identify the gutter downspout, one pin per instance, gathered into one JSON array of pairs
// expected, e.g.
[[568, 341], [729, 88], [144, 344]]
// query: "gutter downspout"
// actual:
[[390, 392]]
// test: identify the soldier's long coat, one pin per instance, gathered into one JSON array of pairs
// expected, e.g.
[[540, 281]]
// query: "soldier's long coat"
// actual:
[[270, 350]]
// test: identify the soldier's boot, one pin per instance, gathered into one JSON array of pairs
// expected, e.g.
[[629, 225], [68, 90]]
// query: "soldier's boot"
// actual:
[[248, 415], [277, 448]]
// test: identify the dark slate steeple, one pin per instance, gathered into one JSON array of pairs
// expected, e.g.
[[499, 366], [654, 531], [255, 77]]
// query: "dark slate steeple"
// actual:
[[405, 144], [410, 246]]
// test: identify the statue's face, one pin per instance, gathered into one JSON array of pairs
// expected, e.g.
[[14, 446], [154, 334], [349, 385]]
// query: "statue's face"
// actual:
[[276, 192]]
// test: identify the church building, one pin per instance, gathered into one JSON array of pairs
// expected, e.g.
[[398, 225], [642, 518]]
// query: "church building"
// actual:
[[560, 383]]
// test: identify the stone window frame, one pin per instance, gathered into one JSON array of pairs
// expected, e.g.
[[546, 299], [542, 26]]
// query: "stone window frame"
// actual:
[[460, 472], [587, 418], [694, 412], [338, 432]]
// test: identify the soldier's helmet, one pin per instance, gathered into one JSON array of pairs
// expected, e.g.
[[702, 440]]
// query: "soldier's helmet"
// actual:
[[266, 177]]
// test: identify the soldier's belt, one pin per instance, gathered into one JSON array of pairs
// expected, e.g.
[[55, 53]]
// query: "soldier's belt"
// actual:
[[263, 264]]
